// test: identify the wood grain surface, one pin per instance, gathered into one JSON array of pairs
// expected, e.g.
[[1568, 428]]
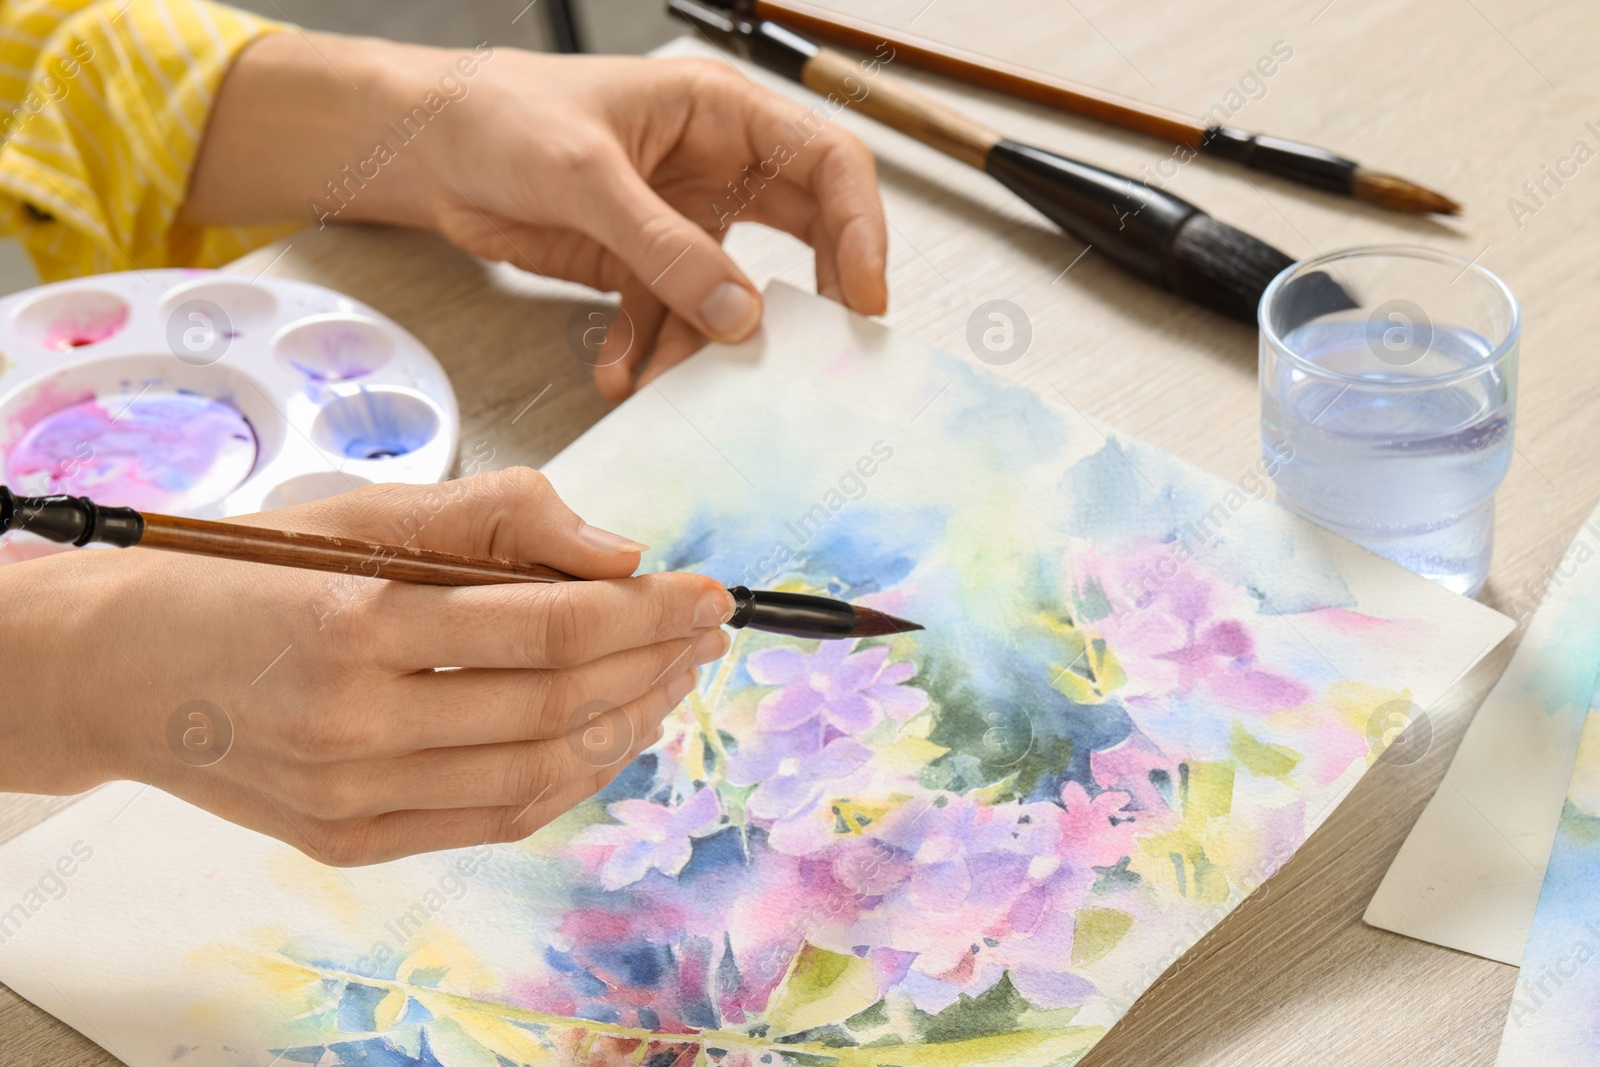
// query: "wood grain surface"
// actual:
[[1474, 97]]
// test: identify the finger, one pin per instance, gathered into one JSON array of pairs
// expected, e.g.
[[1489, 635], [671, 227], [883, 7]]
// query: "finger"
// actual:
[[794, 210], [379, 838], [530, 625], [683, 265], [395, 834], [828, 283], [442, 709], [536, 248], [678, 341], [517, 774], [620, 357], [530, 817], [840, 173]]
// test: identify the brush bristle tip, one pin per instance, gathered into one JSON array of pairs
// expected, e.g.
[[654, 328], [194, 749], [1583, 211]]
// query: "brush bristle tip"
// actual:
[[870, 622]]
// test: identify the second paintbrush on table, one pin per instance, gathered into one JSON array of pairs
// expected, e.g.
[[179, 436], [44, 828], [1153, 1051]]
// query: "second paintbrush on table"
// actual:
[[77, 520], [1294, 160], [1151, 233]]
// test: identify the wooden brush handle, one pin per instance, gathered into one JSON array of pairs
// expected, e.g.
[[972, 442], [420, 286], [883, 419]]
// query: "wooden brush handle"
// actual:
[[1085, 100], [899, 107], [318, 552]]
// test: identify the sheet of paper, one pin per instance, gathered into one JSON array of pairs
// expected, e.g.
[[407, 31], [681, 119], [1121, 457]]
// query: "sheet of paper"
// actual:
[[1555, 1012], [1140, 688], [1468, 875]]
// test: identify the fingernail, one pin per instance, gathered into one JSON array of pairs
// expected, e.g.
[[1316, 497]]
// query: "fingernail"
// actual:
[[606, 541], [679, 687], [730, 312], [713, 644], [714, 609]]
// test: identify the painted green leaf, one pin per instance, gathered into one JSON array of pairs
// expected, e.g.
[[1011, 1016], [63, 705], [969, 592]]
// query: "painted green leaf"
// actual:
[[1090, 672], [820, 987], [1262, 758], [425, 976], [1107, 671], [1075, 687], [1207, 792], [1096, 931], [1093, 604]]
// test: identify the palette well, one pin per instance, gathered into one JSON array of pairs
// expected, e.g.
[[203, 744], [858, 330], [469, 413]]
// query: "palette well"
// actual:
[[209, 394]]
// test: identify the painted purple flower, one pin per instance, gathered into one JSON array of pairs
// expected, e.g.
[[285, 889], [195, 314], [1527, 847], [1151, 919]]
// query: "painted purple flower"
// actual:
[[792, 769], [649, 835], [849, 691]]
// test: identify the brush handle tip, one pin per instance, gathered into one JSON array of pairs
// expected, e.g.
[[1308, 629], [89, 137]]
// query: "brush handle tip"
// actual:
[[73, 520]]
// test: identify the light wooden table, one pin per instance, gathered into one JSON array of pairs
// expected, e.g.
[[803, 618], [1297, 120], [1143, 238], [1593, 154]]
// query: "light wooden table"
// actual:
[[1473, 96]]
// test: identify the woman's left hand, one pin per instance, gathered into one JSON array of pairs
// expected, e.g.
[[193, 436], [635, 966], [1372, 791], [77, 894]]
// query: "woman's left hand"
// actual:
[[621, 174]]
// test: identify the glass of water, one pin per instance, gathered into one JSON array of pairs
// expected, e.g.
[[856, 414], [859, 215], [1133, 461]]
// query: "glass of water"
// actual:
[[1388, 389]]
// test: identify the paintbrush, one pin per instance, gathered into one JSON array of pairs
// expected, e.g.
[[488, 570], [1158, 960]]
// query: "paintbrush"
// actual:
[[1294, 160], [77, 520], [1155, 235]]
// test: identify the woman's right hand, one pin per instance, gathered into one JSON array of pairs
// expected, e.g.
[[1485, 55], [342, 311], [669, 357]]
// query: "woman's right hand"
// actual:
[[306, 705]]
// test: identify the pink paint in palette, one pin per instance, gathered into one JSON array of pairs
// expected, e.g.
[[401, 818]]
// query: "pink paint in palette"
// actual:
[[75, 331], [206, 394]]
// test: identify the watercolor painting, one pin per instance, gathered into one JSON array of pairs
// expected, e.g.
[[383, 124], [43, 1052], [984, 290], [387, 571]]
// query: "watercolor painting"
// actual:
[[1469, 874], [1140, 689], [1555, 1012]]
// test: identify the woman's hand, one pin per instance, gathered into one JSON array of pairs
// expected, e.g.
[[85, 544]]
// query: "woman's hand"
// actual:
[[306, 705], [622, 174]]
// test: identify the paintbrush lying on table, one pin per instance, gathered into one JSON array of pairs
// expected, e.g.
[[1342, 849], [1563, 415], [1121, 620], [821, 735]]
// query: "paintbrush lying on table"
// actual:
[[1149, 232], [77, 520], [1298, 162]]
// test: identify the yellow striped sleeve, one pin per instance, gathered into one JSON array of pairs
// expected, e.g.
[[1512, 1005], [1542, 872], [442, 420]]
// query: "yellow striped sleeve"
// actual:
[[102, 107]]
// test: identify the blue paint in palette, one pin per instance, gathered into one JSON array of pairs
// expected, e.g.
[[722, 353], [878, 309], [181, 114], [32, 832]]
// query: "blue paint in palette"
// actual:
[[379, 424]]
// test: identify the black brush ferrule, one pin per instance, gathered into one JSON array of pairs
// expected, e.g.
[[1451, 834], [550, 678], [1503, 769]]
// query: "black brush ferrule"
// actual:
[[764, 43], [1127, 221], [1288, 159], [795, 614], [73, 520]]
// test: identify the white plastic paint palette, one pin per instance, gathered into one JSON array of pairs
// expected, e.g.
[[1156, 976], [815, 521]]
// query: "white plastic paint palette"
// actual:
[[209, 394]]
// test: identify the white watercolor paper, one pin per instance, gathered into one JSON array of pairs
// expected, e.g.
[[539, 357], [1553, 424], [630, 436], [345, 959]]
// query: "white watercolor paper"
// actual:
[[1469, 874]]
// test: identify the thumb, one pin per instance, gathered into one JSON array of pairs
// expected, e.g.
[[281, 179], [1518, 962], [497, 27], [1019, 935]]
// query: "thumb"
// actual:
[[680, 263]]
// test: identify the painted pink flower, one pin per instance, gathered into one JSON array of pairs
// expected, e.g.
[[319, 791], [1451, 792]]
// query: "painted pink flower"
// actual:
[[850, 691], [1173, 634], [1133, 767], [648, 836]]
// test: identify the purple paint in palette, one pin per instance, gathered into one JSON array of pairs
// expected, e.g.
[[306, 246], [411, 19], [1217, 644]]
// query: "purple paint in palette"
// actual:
[[161, 451], [343, 356]]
